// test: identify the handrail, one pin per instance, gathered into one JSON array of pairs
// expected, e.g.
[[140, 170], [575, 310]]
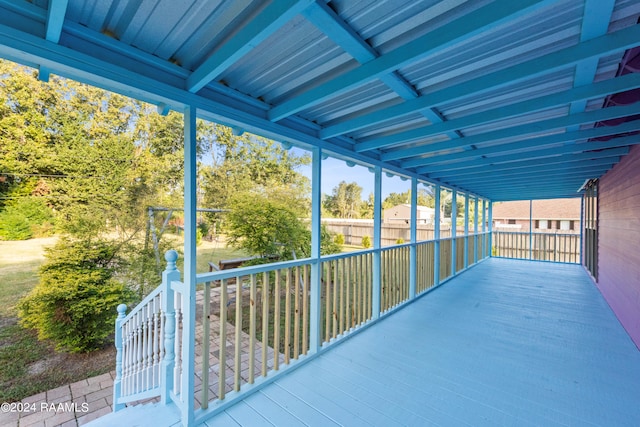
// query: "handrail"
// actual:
[[154, 293], [252, 269]]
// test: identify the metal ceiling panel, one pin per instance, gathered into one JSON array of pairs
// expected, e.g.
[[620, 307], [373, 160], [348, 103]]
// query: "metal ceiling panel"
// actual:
[[414, 86]]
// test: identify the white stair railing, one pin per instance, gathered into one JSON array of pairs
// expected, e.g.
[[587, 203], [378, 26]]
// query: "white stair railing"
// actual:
[[145, 339]]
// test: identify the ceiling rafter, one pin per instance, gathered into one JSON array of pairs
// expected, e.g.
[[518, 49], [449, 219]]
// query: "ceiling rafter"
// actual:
[[557, 182], [263, 25], [527, 144], [53, 29], [529, 162], [550, 170], [334, 27], [520, 131], [494, 14], [581, 93], [598, 47], [521, 159], [595, 23], [571, 149]]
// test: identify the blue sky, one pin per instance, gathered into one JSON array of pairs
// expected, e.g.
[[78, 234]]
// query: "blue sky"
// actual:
[[334, 171]]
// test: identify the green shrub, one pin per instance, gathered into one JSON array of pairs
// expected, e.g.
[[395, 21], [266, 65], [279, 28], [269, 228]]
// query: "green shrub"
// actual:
[[329, 243], [74, 304], [198, 236], [24, 219], [366, 242], [399, 241], [339, 239], [14, 226]]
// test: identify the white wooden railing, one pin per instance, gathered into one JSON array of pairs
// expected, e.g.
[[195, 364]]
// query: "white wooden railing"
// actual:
[[148, 343]]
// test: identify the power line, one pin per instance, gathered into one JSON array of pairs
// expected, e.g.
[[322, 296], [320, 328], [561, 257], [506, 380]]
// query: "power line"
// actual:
[[42, 175]]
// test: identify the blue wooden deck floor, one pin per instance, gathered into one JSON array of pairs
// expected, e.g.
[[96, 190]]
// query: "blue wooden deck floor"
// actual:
[[506, 343]]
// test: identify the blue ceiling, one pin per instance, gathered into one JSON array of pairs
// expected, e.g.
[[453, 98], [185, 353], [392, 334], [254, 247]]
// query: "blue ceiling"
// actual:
[[501, 99]]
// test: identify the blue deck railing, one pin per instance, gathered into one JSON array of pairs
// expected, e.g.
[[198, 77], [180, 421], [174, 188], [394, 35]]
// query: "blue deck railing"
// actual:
[[253, 323], [555, 247]]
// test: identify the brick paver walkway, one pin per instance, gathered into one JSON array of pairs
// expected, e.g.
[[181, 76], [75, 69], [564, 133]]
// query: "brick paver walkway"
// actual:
[[76, 404], [68, 406]]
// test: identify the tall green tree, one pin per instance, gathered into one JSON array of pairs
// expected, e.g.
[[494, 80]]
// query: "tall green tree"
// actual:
[[345, 200], [240, 163], [394, 199]]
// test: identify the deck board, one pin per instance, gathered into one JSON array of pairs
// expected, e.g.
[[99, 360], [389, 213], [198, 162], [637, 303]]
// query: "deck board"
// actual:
[[507, 342]]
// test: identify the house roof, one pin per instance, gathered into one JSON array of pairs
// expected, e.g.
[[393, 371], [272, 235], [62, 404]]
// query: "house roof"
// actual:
[[500, 99], [554, 209]]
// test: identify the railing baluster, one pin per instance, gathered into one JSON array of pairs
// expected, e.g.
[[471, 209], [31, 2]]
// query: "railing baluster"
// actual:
[[287, 317], [252, 329], [276, 323], [342, 304], [296, 321], [362, 286], [206, 339], [305, 308], [177, 381], [238, 336], [327, 293], [265, 321], [222, 351]]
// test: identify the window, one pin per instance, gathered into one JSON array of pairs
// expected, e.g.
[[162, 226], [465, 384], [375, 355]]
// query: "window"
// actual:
[[512, 221], [543, 224], [565, 225]]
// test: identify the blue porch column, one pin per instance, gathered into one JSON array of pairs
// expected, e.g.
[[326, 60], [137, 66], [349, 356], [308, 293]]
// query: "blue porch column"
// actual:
[[475, 230], [530, 229], [454, 218], [315, 291], [189, 289], [484, 228], [490, 225], [377, 238], [414, 238], [436, 237], [466, 230]]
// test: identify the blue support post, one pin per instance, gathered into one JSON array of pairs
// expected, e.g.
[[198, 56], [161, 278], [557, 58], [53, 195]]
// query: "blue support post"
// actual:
[[454, 229], [490, 225], [436, 237], [466, 230], [582, 224], [413, 267], [169, 275], [475, 231], [315, 291], [530, 229], [189, 296], [377, 237], [117, 382], [484, 228]]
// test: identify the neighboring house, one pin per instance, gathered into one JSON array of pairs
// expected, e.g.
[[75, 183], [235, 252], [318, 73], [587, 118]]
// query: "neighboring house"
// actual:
[[402, 213], [553, 215]]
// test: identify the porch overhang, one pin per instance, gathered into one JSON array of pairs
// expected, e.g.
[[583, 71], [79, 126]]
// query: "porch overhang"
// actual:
[[419, 88]]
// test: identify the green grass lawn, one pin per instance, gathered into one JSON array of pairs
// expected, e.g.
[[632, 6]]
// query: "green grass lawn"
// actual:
[[15, 282], [29, 366]]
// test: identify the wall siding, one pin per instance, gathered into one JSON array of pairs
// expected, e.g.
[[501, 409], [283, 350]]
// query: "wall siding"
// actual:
[[619, 241]]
